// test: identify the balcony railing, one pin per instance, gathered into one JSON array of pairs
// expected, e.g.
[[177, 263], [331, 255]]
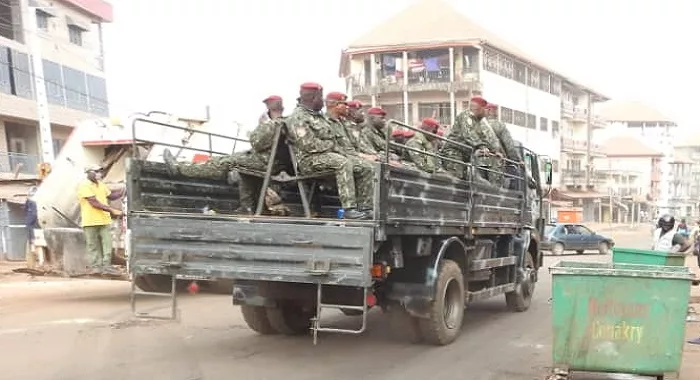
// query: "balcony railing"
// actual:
[[581, 146], [580, 114], [567, 110], [597, 122], [417, 81], [20, 163]]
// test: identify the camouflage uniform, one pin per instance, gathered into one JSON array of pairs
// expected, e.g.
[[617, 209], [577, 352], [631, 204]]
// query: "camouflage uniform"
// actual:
[[315, 144], [342, 137], [374, 139], [477, 134], [505, 138], [422, 161], [354, 131]]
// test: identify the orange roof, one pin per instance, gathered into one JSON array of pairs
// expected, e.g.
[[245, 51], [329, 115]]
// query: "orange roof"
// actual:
[[628, 146]]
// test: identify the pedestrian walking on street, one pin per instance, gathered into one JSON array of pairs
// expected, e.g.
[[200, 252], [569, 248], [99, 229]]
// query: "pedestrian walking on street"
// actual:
[[96, 218], [31, 222]]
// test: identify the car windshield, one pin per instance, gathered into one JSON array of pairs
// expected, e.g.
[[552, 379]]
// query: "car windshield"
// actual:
[[549, 228]]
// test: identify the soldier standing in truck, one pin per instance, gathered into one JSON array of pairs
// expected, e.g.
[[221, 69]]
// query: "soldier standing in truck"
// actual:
[[422, 142], [96, 218]]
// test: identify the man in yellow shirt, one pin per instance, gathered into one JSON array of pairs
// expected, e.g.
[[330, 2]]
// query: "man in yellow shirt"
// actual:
[[96, 217]]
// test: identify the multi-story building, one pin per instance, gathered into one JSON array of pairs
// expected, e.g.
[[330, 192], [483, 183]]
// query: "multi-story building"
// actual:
[[651, 127], [416, 69], [630, 176], [684, 197], [68, 33]]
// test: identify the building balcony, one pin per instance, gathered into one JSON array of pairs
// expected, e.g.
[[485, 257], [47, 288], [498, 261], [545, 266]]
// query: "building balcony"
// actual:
[[418, 82], [567, 110], [580, 115], [598, 122], [573, 177], [576, 146], [18, 165]]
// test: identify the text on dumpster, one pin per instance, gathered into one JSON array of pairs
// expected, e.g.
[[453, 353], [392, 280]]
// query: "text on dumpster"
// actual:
[[616, 321]]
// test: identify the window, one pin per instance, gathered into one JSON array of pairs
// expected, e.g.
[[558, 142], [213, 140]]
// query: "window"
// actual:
[[555, 88], [520, 73], [5, 84], [534, 78], [531, 121], [505, 66], [506, 115], [22, 85], [97, 97], [75, 34], [57, 145], [53, 78], [543, 124], [42, 20], [555, 128], [490, 61], [76, 89], [544, 81], [438, 111], [519, 118]]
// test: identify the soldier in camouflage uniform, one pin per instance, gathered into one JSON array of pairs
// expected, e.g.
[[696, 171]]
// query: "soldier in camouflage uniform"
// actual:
[[353, 124], [515, 167], [315, 145], [471, 130], [256, 159], [373, 133], [422, 142]]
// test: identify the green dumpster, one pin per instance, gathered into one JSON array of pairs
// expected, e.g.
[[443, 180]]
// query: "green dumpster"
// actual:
[[619, 318], [647, 257]]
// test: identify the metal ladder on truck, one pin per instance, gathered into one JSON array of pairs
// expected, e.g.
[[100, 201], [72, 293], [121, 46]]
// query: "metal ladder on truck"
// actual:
[[173, 315], [316, 321]]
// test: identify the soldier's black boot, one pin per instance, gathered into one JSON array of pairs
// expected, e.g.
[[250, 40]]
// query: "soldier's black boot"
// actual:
[[354, 214], [170, 162]]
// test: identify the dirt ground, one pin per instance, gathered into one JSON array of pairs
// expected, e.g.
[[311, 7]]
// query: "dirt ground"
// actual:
[[57, 329]]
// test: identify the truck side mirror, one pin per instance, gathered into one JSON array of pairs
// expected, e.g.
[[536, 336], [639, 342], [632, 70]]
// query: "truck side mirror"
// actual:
[[548, 172]]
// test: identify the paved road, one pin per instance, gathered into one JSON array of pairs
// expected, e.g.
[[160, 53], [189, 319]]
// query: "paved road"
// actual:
[[64, 330]]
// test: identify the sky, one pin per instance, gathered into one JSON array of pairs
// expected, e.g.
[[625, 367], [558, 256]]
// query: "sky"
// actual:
[[180, 55]]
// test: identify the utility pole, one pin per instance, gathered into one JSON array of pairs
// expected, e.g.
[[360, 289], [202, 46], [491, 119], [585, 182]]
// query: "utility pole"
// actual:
[[42, 103]]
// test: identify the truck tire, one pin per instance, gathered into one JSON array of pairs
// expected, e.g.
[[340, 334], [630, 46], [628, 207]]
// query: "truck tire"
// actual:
[[520, 299], [256, 318], [447, 309], [290, 319]]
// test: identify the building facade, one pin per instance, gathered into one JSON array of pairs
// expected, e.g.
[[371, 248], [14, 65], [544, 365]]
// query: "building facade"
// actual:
[[414, 70], [684, 197], [69, 35], [653, 129]]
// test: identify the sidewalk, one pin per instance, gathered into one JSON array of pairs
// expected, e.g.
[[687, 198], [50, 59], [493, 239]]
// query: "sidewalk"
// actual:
[[690, 369]]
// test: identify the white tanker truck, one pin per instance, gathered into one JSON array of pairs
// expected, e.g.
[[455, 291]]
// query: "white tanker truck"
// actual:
[[108, 143]]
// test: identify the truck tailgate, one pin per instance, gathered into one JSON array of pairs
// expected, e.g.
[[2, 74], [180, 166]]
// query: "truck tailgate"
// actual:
[[227, 247]]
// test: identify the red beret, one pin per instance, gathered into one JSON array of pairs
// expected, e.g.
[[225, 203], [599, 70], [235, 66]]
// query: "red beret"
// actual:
[[339, 96], [440, 132], [397, 133], [409, 133], [355, 104], [311, 86], [430, 122], [272, 98], [491, 106], [479, 100], [376, 111]]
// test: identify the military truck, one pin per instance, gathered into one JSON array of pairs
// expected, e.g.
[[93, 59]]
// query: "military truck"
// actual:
[[435, 243]]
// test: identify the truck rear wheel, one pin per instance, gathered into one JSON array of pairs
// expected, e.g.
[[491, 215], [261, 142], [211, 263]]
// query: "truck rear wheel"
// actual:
[[290, 318], [256, 318], [519, 300], [447, 309]]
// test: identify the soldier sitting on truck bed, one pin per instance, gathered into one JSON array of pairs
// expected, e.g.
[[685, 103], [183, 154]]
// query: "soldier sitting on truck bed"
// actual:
[[316, 148], [373, 133], [354, 122], [256, 159], [471, 130], [425, 143]]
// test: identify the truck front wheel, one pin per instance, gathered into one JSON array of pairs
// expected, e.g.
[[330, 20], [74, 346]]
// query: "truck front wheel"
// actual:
[[290, 318], [520, 299], [447, 309], [256, 318]]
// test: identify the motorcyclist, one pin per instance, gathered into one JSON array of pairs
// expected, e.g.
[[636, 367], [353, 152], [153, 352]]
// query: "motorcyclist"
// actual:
[[683, 228], [667, 238]]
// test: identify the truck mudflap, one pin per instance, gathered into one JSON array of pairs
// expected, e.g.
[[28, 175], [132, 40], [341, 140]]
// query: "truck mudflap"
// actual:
[[248, 249]]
